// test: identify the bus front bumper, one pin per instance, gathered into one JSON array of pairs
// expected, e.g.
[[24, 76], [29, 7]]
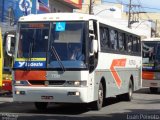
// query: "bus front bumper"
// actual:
[[150, 83], [51, 94]]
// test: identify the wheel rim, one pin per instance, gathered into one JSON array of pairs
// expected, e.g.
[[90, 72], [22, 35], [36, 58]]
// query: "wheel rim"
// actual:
[[130, 90], [100, 95]]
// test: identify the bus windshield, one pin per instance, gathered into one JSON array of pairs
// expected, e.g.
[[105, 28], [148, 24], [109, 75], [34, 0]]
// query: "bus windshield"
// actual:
[[67, 44], [151, 55], [33, 40], [53, 44]]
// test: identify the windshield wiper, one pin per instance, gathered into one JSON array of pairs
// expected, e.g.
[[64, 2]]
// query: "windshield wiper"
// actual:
[[29, 55], [57, 58]]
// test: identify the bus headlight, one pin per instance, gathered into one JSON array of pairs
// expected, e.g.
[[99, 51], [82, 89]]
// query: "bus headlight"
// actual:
[[76, 83], [21, 83]]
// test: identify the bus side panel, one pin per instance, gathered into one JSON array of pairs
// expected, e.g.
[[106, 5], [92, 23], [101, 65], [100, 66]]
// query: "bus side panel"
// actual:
[[117, 70]]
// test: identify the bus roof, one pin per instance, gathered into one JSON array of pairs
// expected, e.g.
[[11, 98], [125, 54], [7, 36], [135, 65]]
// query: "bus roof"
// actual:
[[151, 39], [57, 17], [73, 17]]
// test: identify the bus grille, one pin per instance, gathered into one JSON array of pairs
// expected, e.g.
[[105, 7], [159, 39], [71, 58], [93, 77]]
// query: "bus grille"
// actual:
[[42, 82], [36, 82]]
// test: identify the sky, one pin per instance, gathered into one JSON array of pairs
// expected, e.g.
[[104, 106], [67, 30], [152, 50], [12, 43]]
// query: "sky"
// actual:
[[147, 5]]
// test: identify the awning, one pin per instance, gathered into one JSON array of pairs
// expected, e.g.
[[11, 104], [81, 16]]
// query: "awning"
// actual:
[[75, 4]]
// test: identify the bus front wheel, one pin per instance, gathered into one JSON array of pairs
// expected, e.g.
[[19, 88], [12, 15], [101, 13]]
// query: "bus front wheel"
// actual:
[[41, 105], [97, 105]]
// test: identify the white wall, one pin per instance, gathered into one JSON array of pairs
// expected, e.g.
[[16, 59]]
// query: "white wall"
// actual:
[[104, 10]]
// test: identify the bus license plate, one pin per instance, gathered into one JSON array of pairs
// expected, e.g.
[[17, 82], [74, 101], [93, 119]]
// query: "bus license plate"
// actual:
[[47, 97]]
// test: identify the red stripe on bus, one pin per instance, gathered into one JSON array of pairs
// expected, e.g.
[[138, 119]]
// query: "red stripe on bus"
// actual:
[[117, 63], [30, 75]]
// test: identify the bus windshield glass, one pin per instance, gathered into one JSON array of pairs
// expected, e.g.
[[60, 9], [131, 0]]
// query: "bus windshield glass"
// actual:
[[33, 40], [151, 55], [67, 45], [51, 45]]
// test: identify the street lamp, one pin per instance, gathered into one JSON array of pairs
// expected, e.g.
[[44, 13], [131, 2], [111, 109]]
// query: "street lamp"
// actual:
[[111, 9]]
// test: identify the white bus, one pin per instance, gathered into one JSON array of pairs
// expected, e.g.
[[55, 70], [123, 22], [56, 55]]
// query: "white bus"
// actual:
[[108, 61], [151, 61]]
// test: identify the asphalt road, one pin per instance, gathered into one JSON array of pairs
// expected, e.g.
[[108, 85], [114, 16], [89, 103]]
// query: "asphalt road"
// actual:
[[144, 106]]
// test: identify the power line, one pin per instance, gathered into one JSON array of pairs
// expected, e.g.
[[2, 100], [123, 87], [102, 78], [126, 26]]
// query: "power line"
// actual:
[[127, 5], [143, 9], [120, 1]]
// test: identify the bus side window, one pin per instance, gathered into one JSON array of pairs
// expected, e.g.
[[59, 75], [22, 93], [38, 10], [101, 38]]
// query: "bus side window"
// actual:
[[135, 45], [129, 43], [139, 45], [113, 39], [121, 41], [104, 38]]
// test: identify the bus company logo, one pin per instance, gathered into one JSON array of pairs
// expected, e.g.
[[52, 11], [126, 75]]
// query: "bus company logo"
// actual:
[[31, 64], [117, 63], [21, 64]]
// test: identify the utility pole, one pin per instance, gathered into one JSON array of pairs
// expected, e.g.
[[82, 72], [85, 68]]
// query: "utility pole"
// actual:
[[129, 14], [90, 7], [156, 29], [134, 15]]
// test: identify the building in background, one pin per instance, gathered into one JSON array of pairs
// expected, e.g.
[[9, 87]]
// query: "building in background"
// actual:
[[86, 6], [148, 24], [153, 18], [11, 10], [64, 5], [7, 14]]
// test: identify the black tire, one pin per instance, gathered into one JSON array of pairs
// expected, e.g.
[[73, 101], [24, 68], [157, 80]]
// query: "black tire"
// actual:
[[153, 90], [97, 105], [41, 106], [128, 96]]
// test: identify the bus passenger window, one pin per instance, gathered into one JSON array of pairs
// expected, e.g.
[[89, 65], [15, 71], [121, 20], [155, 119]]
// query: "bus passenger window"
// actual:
[[104, 38], [129, 44], [139, 44], [135, 46], [121, 41], [113, 39]]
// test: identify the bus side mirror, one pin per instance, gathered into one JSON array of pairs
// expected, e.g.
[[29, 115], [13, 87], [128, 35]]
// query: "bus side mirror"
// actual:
[[10, 40], [94, 45]]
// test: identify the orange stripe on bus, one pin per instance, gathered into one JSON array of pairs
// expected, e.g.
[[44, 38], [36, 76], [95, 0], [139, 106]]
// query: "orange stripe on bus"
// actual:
[[148, 75], [30, 75], [117, 63]]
